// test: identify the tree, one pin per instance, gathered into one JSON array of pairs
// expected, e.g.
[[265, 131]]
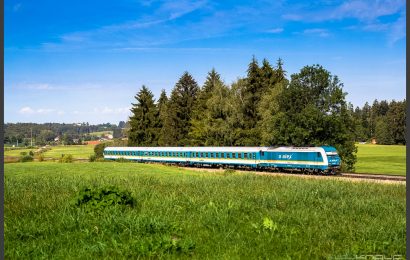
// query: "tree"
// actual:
[[143, 121], [396, 119], [208, 125], [179, 111], [312, 111], [383, 132], [121, 124], [162, 106]]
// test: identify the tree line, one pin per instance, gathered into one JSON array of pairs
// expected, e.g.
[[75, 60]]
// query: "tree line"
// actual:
[[41, 134], [265, 108], [383, 121]]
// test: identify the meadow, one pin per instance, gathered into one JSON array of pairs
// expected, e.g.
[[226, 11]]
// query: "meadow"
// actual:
[[381, 159], [180, 213], [77, 151]]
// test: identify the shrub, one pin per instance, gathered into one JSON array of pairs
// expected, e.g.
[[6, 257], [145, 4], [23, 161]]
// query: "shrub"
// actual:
[[31, 153], [99, 198], [99, 150], [26, 158], [66, 158], [40, 157], [92, 158], [23, 153]]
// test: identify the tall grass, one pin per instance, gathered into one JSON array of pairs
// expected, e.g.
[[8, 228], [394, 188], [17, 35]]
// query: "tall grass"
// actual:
[[185, 214]]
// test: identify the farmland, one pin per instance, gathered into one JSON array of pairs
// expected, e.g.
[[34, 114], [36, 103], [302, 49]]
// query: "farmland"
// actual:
[[183, 213], [77, 151], [381, 159]]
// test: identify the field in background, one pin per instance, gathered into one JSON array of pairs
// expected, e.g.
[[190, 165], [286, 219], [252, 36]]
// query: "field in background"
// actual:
[[184, 213], [77, 151], [381, 159], [101, 133], [17, 152]]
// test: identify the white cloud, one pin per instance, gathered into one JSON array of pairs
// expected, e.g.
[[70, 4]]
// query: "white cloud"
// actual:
[[275, 30], [317, 31], [30, 111], [26, 110]]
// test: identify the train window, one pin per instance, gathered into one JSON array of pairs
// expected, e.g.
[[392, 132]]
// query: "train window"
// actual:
[[318, 155], [240, 155], [228, 155], [262, 153], [245, 156]]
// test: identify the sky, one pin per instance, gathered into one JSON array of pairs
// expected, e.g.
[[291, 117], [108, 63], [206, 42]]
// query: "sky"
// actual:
[[84, 61]]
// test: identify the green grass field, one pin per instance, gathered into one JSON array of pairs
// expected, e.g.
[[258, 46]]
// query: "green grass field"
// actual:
[[77, 151], [182, 213], [17, 152], [381, 159], [101, 133]]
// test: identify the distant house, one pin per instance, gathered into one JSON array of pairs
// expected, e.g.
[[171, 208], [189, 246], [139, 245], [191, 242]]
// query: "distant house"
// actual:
[[93, 142], [57, 139], [374, 141]]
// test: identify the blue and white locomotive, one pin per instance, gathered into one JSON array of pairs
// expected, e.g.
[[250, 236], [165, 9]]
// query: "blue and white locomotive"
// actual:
[[323, 159]]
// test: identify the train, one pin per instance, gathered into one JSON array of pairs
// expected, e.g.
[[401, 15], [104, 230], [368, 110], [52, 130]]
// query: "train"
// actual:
[[322, 159]]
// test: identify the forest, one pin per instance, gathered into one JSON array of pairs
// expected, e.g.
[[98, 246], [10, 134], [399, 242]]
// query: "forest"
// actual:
[[265, 108]]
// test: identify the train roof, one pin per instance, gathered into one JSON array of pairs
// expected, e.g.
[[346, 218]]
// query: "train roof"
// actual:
[[221, 149], [295, 149], [191, 148]]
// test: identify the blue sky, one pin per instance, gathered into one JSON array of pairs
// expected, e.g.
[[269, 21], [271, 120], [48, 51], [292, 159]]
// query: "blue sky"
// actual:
[[84, 61]]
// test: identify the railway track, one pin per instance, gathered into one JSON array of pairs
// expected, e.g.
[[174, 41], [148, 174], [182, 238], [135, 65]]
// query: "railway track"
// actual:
[[372, 176], [358, 176]]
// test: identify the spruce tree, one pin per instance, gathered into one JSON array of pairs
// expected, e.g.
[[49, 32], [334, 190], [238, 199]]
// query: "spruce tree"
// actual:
[[143, 121], [208, 121], [179, 112], [162, 108]]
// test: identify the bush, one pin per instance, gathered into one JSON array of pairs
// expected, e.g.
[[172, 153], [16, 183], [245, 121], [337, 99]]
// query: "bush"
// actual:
[[23, 153], [92, 158], [99, 198], [40, 157], [99, 150], [26, 158], [31, 153], [66, 158]]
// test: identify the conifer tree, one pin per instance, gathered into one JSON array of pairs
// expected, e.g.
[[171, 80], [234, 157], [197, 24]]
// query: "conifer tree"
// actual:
[[143, 121], [179, 111], [208, 121], [162, 107]]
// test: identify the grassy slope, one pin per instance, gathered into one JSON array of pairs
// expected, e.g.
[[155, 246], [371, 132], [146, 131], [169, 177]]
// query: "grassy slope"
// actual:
[[77, 151], [390, 159], [220, 214]]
